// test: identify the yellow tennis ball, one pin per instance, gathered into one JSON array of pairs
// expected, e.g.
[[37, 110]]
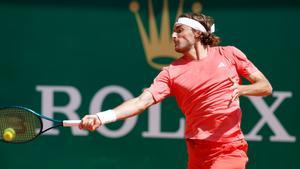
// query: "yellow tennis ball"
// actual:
[[9, 134]]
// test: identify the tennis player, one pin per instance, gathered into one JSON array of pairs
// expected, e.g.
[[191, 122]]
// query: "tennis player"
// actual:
[[206, 84]]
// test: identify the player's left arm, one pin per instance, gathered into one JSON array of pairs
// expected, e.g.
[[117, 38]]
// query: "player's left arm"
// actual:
[[260, 86]]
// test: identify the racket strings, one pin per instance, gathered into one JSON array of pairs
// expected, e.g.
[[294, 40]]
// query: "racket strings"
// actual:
[[26, 125]]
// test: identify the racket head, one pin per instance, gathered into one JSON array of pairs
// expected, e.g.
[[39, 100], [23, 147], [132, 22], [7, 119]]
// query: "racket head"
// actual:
[[26, 123]]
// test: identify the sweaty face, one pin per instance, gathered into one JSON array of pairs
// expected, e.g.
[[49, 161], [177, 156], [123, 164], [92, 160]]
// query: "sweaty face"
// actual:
[[184, 38]]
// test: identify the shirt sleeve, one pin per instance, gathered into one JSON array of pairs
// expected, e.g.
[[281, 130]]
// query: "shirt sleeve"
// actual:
[[244, 66], [160, 88]]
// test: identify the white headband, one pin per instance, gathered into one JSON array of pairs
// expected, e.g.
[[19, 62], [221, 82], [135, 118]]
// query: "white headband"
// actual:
[[194, 24]]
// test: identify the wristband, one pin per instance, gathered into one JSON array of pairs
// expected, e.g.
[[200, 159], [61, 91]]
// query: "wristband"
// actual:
[[107, 116]]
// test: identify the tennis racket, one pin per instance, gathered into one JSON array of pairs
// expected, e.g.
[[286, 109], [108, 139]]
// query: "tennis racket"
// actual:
[[26, 123]]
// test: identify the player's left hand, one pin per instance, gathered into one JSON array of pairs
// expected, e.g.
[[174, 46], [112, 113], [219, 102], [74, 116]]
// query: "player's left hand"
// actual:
[[235, 88]]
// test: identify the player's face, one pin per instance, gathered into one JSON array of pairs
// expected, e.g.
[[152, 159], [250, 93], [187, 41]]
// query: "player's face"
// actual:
[[184, 38]]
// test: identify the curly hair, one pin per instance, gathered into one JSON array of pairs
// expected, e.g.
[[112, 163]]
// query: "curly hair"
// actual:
[[206, 38]]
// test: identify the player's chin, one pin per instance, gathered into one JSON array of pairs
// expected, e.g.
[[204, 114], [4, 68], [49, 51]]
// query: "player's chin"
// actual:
[[180, 49]]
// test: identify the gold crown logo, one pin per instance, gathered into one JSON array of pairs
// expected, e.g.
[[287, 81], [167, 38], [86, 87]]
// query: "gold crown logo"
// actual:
[[159, 45]]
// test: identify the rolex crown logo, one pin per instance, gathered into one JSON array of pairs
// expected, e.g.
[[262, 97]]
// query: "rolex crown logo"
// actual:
[[158, 46]]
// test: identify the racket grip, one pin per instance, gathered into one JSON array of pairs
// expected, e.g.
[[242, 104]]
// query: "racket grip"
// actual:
[[70, 123]]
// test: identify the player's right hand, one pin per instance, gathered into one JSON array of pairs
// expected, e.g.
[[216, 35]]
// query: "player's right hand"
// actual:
[[90, 122]]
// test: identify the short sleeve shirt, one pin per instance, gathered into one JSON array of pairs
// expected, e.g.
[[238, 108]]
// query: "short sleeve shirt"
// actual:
[[202, 91]]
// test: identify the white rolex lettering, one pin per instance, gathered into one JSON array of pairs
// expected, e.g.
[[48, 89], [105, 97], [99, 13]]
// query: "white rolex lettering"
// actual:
[[154, 125], [268, 117], [69, 110]]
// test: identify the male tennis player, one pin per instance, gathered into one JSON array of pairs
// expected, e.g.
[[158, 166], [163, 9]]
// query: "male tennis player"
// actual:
[[206, 83]]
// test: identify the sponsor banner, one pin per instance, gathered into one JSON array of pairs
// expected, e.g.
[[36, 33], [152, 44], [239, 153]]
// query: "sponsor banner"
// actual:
[[67, 59]]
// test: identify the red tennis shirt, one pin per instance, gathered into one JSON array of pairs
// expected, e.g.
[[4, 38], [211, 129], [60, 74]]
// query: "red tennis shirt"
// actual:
[[202, 91]]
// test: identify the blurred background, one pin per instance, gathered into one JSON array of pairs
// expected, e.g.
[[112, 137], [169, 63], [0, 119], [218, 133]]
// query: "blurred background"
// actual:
[[67, 58]]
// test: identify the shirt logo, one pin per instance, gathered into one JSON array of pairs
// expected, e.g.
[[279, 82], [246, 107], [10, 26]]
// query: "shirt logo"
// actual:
[[221, 65]]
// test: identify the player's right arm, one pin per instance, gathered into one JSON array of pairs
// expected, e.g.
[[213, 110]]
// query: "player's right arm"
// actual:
[[125, 110], [134, 106]]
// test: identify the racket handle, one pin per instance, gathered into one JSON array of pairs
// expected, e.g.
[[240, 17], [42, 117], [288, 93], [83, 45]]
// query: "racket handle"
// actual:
[[70, 123]]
